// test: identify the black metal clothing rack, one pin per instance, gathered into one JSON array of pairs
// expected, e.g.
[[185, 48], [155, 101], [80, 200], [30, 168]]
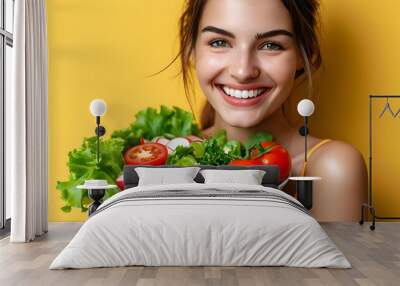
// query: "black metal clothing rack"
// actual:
[[370, 205]]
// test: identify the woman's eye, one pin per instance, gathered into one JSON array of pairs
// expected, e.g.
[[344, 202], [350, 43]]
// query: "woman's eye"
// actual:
[[219, 44], [272, 46]]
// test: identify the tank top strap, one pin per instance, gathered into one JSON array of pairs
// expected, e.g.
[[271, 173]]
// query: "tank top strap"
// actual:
[[309, 153]]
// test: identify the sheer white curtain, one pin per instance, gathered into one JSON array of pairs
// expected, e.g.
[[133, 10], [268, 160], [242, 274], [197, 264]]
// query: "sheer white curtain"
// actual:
[[27, 122]]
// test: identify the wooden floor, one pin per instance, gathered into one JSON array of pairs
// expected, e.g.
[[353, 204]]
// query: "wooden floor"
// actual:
[[375, 257]]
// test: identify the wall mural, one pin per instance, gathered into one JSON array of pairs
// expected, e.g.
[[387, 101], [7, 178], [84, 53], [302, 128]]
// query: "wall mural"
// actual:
[[247, 76]]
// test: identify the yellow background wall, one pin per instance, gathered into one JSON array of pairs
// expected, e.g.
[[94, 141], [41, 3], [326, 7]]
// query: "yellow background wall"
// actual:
[[105, 49]]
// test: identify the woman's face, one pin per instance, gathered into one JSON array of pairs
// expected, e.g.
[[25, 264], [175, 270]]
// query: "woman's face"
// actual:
[[246, 58]]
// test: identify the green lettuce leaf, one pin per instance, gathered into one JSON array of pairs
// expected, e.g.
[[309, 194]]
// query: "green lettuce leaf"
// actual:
[[234, 148], [259, 136], [255, 140], [150, 123], [83, 166]]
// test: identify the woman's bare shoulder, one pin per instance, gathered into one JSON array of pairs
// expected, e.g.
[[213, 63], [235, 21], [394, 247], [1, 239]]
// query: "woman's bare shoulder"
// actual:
[[334, 148], [336, 158]]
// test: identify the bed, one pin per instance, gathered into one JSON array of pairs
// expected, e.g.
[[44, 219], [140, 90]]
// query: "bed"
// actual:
[[201, 224]]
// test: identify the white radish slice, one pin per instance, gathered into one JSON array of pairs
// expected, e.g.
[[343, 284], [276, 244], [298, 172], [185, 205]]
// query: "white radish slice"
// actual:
[[163, 141], [155, 139], [193, 138], [170, 150], [179, 141]]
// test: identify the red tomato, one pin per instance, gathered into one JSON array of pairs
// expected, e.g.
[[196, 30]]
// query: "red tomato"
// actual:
[[278, 155], [120, 182], [245, 162], [146, 154]]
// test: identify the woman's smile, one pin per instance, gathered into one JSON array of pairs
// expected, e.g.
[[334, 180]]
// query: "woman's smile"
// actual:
[[243, 96]]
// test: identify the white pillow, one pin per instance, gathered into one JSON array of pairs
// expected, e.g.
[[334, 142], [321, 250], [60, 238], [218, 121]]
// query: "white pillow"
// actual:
[[163, 176], [248, 177]]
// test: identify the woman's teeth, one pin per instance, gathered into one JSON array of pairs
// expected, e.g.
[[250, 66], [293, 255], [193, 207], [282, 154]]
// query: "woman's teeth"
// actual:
[[243, 93]]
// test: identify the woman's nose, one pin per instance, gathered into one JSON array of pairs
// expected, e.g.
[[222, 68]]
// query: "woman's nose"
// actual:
[[244, 67]]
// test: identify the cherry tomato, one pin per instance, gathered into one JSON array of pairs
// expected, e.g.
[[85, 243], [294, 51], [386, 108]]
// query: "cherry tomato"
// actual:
[[146, 154], [120, 182], [278, 155]]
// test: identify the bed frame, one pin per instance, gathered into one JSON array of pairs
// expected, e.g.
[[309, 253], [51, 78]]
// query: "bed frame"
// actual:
[[270, 179]]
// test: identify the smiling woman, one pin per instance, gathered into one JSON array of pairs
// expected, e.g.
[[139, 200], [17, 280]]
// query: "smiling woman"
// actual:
[[247, 56], [235, 57]]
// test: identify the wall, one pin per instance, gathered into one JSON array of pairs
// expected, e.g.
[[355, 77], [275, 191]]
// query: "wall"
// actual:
[[105, 49]]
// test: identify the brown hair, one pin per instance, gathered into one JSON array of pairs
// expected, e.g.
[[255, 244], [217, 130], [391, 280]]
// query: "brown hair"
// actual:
[[304, 15]]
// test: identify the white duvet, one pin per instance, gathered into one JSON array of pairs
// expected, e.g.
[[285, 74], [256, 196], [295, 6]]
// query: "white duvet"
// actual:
[[188, 231]]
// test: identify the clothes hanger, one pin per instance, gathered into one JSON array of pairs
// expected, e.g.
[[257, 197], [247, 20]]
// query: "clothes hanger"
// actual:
[[387, 107], [397, 113]]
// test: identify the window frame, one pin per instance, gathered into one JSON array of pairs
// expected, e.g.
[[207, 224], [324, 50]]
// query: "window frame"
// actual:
[[6, 39]]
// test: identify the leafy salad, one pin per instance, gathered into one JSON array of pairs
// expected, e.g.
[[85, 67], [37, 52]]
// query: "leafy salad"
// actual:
[[214, 151], [168, 136]]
